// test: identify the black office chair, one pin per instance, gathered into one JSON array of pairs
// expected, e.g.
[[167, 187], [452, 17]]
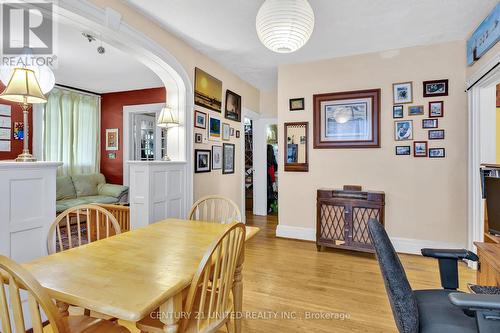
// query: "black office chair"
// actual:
[[433, 311]]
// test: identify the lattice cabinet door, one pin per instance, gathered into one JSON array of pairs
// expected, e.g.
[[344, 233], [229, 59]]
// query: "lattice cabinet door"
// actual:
[[359, 225], [332, 228]]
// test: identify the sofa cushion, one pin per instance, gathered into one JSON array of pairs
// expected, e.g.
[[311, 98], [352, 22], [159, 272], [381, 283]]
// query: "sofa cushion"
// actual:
[[438, 315], [100, 199], [111, 190], [62, 205], [65, 188], [86, 185]]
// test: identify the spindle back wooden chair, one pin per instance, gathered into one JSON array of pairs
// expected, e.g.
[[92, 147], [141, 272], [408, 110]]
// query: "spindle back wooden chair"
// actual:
[[215, 208], [98, 224], [209, 300], [15, 278]]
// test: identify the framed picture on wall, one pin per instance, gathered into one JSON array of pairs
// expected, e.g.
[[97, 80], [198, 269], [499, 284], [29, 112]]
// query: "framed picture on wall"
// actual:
[[226, 132], [403, 150], [201, 160], [228, 158], [420, 148], [347, 119], [403, 130], [429, 123], [415, 110], [200, 119], [112, 139], [436, 109], [233, 106], [296, 104], [435, 88], [198, 138], [397, 111], [402, 93], [216, 157], [436, 134], [214, 129], [437, 153], [207, 90]]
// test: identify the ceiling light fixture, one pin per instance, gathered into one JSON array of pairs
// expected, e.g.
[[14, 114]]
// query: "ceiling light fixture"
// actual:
[[284, 26]]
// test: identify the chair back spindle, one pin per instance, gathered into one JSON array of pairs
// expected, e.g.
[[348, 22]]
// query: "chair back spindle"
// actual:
[[209, 296], [215, 208], [81, 225], [13, 279]]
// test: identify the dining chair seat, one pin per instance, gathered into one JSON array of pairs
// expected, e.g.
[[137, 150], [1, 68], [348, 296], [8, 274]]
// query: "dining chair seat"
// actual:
[[85, 324]]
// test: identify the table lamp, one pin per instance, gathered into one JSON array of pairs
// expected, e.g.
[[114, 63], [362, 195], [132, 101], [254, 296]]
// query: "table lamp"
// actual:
[[167, 120], [23, 88]]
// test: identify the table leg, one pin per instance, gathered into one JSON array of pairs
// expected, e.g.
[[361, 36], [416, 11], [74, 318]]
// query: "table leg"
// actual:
[[63, 308], [238, 295], [170, 313]]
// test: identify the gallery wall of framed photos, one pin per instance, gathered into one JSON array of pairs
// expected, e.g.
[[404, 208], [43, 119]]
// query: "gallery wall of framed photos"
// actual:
[[439, 134], [217, 136]]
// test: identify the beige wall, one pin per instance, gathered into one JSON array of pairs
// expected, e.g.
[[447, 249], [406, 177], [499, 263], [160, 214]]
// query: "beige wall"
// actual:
[[269, 104], [425, 198], [214, 182]]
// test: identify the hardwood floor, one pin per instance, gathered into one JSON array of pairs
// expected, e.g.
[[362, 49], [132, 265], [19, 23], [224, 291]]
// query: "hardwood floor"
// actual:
[[287, 280]]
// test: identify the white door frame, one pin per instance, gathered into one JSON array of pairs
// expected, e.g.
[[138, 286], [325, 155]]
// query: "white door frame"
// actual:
[[260, 164], [128, 112], [246, 113], [481, 135]]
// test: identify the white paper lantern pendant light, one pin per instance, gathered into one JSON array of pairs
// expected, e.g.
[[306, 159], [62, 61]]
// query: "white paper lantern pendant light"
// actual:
[[284, 26]]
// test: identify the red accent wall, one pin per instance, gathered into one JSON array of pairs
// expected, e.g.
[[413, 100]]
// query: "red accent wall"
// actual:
[[112, 117], [16, 146]]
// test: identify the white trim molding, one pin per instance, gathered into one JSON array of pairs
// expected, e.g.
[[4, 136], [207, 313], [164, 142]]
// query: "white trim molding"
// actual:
[[402, 245]]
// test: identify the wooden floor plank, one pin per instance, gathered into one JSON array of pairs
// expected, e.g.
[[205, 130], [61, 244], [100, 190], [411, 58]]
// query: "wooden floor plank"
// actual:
[[290, 278]]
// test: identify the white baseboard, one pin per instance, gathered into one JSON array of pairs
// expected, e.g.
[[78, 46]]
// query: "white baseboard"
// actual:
[[402, 245], [286, 231]]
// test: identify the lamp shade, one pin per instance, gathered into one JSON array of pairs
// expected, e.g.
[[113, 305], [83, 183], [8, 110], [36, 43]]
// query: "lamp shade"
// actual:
[[166, 118], [23, 87], [284, 26]]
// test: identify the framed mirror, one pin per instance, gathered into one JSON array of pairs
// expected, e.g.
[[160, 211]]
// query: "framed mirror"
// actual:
[[296, 146]]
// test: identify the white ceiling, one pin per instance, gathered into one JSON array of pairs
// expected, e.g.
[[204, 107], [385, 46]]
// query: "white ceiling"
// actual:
[[80, 66], [225, 29]]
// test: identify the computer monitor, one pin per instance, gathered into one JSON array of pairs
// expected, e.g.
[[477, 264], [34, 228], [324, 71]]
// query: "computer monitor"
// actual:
[[492, 186]]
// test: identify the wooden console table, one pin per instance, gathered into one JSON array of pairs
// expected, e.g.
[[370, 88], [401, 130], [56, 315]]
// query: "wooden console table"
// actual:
[[488, 273]]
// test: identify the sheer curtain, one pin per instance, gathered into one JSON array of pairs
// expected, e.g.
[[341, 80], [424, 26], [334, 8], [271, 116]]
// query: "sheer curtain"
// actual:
[[72, 131]]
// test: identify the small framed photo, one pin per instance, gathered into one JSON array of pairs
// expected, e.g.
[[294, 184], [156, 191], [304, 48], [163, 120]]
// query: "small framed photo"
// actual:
[[232, 131], [436, 134], [403, 150], [202, 160], [233, 106], [296, 104], [403, 130], [420, 148], [216, 157], [112, 139], [226, 132], [237, 134], [429, 123], [397, 111], [436, 109], [198, 138], [228, 158], [416, 110], [437, 153], [200, 119], [402, 92], [214, 129], [436, 88]]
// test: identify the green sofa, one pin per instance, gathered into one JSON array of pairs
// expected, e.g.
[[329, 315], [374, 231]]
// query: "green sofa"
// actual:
[[85, 189]]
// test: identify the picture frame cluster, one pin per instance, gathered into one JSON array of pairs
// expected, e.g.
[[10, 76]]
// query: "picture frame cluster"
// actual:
[[404, 128], [210, 127]]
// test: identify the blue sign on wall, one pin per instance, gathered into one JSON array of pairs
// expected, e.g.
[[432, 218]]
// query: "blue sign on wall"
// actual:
[[485, 36]]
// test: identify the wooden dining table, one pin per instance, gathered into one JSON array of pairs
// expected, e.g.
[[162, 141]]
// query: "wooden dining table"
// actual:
[[129, 275]]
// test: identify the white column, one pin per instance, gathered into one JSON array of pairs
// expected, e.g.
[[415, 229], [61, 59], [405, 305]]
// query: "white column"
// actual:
[[157, 191], [27, 208]]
